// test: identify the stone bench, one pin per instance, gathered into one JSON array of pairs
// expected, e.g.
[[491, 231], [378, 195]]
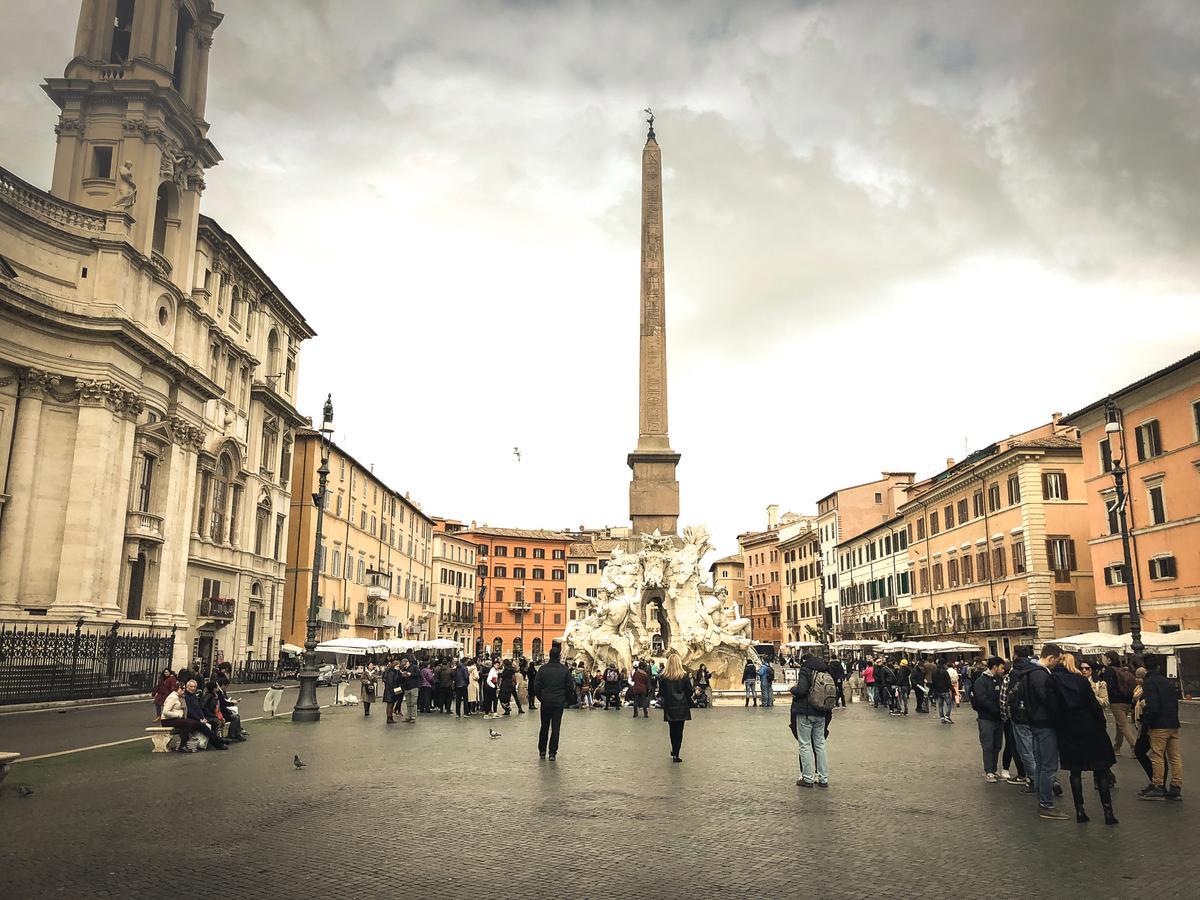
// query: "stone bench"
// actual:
[[6, 761], [160, 736]]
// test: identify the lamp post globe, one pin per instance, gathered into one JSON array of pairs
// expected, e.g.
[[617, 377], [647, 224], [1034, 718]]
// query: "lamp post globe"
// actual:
[[307, 709]]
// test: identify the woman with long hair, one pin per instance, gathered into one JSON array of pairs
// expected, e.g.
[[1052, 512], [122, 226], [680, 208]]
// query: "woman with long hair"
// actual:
[[1083, 742], [675, 692]]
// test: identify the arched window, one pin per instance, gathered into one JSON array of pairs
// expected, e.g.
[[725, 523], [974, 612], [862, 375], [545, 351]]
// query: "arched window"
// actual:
[[518, 646], [273, 353], [537, 648], [166, 208], [222, 488], [235, 304], [262, 523], [497, 648]]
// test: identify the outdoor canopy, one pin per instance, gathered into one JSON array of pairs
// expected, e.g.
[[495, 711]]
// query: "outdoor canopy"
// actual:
[[799, 644], [1095, 641]]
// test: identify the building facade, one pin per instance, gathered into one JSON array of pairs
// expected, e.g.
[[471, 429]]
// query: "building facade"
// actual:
[[375, 577], [523, 604], [875, 583], [850, 511], [729, 572], [800, 565], [760, 560], [148, 366], [1159, 420], [993, 545], [454, 588]]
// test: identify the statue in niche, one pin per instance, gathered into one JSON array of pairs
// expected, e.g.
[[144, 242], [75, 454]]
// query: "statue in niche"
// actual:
[[126, 189]]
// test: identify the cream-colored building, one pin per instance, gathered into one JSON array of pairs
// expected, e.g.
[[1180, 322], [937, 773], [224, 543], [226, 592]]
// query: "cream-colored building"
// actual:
[[376, 559], [800, 563], [454, 588], [729, 572], [148, 365]]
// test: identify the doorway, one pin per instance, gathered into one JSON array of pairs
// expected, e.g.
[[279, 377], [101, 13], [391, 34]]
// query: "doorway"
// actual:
[[137, 580]]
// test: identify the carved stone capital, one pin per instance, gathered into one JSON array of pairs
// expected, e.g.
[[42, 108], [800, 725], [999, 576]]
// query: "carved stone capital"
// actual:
[[122, 401], [185, 434], [37, 383], [68, 126]]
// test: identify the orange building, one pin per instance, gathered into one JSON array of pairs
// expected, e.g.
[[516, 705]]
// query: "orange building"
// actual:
[[1159, 418], [995, 546], [522, 585], [760, 558]]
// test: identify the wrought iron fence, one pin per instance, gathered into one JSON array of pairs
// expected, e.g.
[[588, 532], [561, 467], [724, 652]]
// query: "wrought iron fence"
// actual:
[[66, 662], [255, 670]]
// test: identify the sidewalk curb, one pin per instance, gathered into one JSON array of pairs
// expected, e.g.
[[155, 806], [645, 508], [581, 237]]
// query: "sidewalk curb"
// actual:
[[17, 708]]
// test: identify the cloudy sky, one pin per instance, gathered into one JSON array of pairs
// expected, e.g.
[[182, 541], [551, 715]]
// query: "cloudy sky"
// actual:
[[893, 230]]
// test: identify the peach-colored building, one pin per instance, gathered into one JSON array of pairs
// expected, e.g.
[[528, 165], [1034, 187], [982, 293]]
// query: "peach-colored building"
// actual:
[[1160, 449], [729, 572], [996, 545]]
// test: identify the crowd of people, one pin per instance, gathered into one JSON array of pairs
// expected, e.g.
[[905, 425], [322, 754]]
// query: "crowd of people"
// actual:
[[207, 719]]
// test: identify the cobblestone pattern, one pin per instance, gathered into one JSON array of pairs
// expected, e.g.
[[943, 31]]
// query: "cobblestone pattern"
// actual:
[[438, 808]]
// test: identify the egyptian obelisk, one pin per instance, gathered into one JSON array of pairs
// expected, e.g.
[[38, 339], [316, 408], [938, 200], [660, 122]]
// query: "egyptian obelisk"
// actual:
[[653, 492]]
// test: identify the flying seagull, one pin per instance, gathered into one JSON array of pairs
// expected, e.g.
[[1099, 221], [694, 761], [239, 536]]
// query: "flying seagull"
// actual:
[[493, 734], [517, 453], [297, 763]]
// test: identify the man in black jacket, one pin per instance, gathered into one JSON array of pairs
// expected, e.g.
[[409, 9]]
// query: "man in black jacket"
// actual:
[[985, 697], [838, 671], [809, 724], [1045, 737], [1160, 715], [1120, 681], [554, 686]]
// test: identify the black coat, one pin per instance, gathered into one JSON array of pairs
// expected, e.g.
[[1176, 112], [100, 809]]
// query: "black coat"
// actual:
[[392, 683], [554, 685], [941, 681], [799, 690], [1162, 702], [837, 670], [1083, 741], [676, 697], [986, 694]]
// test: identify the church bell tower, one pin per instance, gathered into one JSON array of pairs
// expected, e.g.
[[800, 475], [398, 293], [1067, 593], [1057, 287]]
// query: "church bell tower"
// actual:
[[131, 134]]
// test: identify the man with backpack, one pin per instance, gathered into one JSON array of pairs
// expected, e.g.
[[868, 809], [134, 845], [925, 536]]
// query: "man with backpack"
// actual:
[[766, 677], [813, 697], [1033, 714]]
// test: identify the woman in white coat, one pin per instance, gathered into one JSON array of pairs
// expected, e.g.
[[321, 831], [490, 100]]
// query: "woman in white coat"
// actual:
[[472, 688]]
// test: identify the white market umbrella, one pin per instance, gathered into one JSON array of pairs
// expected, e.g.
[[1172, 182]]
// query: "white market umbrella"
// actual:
[[1164, 643], [1094, 640], [352, 646], [291, 648], [442, 644], [851, 644], [798, 644], [397, 645]]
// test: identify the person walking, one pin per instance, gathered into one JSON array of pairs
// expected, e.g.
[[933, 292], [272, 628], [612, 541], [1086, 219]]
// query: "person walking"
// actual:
[[1082, 734], [942, 688], [1160, 718], [425, 688], [1120, 681], [813, 697], [530, 675], [675, 695], [508, 688], [750, 682], [985, 698], [554, 686], [903, 687], [838, 672], [869, 678], [472, 687], [766, 679], [444, 676], [368, 683], [703, 681], [885, 682], [1011, 754], [640, 690], [1034, 687], [490, 685]]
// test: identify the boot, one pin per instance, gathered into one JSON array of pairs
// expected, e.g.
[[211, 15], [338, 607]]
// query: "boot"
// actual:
[[1077, 795], [1106, 802]]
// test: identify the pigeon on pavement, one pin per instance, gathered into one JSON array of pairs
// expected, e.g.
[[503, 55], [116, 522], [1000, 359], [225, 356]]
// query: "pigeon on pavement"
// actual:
[[24, 791], [297, 763], [493, 734]]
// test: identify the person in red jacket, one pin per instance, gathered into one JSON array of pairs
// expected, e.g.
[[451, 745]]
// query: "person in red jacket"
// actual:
[[639, 690]]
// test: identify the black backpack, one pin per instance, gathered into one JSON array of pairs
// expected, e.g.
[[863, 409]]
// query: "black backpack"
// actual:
[[1020, 705]]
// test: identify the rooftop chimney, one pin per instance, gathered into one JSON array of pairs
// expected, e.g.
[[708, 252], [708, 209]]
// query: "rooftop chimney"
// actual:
[[949, 462], [773, 515], [1056, 417]]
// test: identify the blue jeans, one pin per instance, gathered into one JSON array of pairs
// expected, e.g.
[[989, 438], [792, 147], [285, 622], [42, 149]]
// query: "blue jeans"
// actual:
[[1024, 739], [768, 698], [1045, 754], [811, 732], [750, 688], [871, 694], [991, 734], [945, 705]]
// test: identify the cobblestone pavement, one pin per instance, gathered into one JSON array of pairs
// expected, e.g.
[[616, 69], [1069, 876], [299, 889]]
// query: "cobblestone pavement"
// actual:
[[54, 730], [439, 809]]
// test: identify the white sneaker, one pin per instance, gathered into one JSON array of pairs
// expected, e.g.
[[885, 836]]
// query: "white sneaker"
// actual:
[[990, 777], [1004, 776]]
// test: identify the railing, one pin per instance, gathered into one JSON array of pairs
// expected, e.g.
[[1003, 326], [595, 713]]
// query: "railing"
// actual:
[[216, 608], [110, 72], [144, 525], [998, 622], [48, 208], [254, 670], [161, 263], [81, 661], [340, 617], [373, 620]]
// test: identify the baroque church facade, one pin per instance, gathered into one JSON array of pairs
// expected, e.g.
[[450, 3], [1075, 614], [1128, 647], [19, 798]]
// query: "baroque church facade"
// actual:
[[148, 365]]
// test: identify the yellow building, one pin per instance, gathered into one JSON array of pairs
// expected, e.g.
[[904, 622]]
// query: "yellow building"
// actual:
[[800, 562], [997, 545], [454, 587], [376, 569]]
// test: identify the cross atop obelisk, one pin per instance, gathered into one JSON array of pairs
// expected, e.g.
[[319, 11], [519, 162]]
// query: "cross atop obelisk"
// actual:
[[654, 492]]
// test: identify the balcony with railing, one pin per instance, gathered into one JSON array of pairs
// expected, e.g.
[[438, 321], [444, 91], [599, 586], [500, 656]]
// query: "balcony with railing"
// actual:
[[217, 608], [144, 526], [336, 617]]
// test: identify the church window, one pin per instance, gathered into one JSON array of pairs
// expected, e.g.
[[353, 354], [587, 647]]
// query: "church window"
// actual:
[[122, 33], [102, 162], [183, 27]]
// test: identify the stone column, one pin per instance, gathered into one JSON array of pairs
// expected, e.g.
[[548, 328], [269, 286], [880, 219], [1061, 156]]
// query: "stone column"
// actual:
[[178, 513], [113, 549], [14, 528], [200, 94]]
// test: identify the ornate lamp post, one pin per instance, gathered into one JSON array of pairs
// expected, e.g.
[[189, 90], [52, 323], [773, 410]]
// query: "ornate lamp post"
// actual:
[[1112, 431], [307, 708], [481, 615]]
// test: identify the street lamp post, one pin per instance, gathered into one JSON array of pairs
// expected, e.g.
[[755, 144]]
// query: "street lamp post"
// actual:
[[1112, 431], [307, 709], [481, 571]]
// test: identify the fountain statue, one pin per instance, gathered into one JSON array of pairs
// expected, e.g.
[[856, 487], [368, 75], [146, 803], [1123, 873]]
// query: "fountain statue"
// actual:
[[656, 592]]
